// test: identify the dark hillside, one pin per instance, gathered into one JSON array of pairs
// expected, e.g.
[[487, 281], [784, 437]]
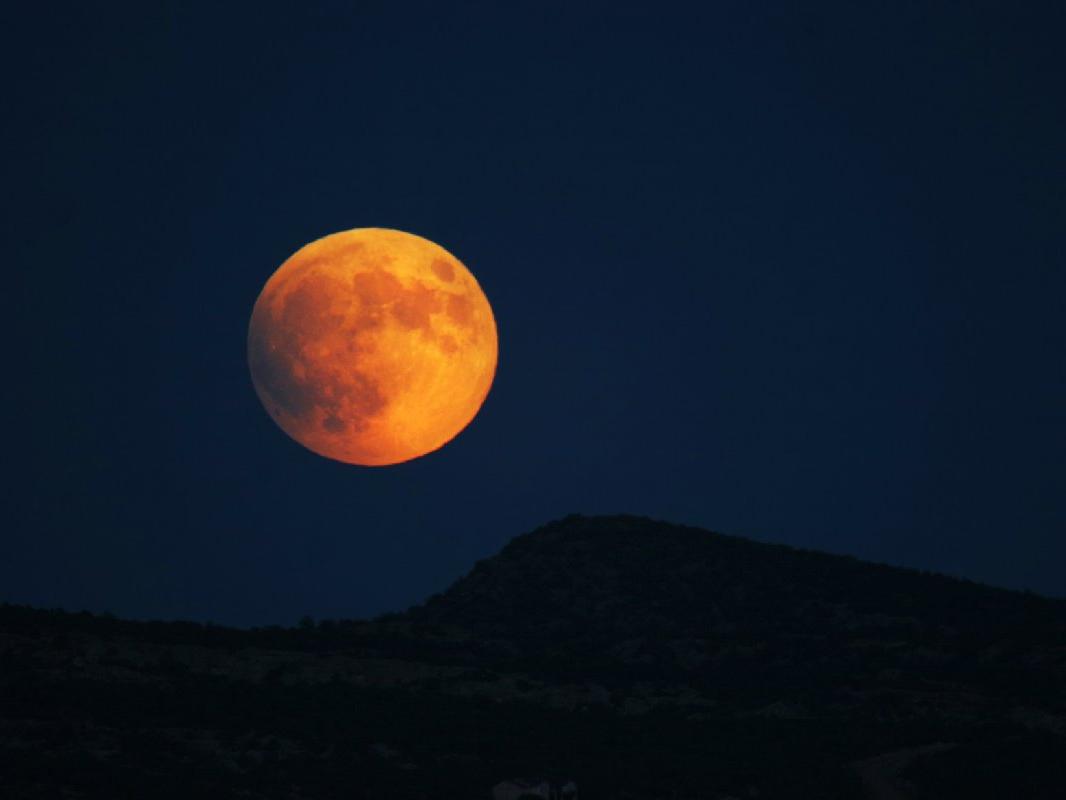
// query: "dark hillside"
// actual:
[[631, 599], [643, 660], [633, 576]]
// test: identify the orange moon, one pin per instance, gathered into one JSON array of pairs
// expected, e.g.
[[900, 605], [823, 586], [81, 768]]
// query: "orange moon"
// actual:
[[372, 346]]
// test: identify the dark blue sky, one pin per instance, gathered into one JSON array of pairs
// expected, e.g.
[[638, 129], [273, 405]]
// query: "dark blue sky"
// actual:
[[794, 272]]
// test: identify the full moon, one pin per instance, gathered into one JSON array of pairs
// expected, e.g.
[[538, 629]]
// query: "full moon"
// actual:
[[372, 346]]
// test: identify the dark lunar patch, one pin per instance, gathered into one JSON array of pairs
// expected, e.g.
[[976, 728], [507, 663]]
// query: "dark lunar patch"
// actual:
[[375, 288], [272, 357], [413, 306], [366, 400], [443, 269], [358, 400], [460, 309], [274, 370], [306, 308], [334, 424], [273, 374], [296, 386]]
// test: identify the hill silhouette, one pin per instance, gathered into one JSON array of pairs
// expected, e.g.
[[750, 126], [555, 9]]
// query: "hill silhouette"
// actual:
[[635, 596], [640, 658]]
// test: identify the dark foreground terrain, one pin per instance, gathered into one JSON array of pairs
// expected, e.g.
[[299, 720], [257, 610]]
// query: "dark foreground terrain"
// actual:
[[641, 659]]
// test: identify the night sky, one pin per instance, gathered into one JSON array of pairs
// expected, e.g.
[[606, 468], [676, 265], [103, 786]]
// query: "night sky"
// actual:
[[787, 271]]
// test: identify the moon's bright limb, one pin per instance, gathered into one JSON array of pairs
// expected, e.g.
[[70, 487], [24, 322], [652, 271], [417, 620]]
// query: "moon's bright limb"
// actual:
[[372, 346]]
